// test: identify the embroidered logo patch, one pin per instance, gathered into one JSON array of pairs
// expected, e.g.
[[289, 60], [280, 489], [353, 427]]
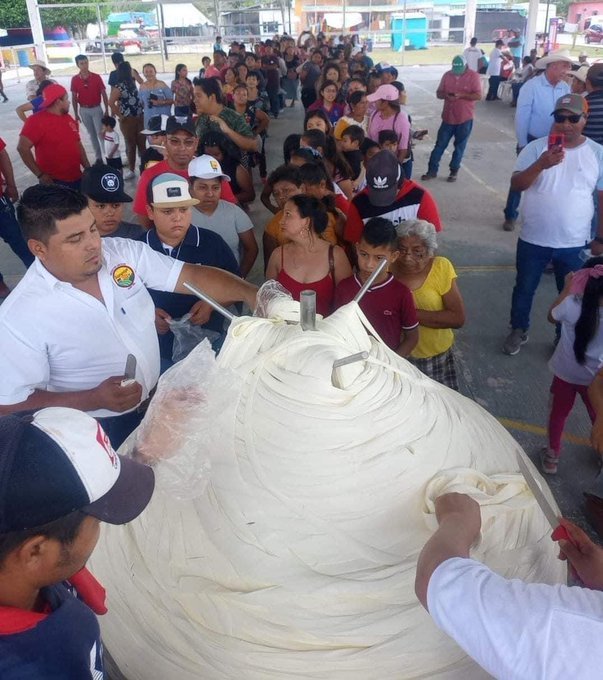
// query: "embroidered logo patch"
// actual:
[[110, 182], [174, 192], [380, 183], [214, 165], [123, 275]]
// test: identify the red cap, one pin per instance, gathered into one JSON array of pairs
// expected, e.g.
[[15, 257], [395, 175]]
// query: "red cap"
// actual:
[[51, 94]]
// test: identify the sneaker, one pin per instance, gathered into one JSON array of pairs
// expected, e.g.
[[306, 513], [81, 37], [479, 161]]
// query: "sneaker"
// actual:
[[130, 174], [509, 225], [427, 176], [549, 461], [516, 338], [452, 176]]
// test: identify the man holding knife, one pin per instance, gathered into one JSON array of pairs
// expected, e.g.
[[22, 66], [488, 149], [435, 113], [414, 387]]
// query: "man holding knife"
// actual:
[[83, 306], [512, 629]]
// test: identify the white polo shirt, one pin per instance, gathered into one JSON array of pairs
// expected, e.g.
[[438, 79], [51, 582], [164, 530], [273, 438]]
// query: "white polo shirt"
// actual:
[[516, 630], [57, 338]]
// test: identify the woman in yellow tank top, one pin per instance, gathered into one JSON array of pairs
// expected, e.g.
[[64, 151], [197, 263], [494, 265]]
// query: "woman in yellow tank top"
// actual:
[[440, 308]]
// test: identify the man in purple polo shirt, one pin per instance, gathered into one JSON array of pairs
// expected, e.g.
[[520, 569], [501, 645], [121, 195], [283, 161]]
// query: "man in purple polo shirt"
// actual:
[[460, 88]]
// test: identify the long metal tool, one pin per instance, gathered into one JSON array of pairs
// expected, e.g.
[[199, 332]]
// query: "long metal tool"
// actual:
[[369, 282], [210, 301]]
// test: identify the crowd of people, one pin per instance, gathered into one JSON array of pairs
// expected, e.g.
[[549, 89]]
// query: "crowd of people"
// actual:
[[103, 289]]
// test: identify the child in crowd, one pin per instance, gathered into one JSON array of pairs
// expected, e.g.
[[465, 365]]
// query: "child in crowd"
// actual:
[[314, 139], [282, 183], [578, 355], [388, 304], [351, 139], [388, 140], [156, 136], [111, 142], [205, 62]]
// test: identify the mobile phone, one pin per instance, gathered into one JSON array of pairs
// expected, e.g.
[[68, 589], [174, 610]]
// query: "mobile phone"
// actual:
[[130, 371], [556, 139]]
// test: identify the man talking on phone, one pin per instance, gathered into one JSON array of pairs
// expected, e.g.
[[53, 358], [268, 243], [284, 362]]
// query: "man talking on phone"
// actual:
[[83, 306], [558, 175]]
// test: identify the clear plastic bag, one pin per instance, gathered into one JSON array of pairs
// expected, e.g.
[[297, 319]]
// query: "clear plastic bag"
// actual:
[[187, 336], [189, 422]]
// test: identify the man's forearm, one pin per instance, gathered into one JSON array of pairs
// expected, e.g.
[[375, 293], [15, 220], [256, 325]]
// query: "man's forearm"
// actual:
[[450, 540], [84, 400], [243, 142], [28, 159], [222, 286], [6, 168], [520, 181]]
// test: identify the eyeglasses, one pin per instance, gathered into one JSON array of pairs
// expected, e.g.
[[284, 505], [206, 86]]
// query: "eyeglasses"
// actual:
[[573, 118], [186, 143], [415, 254]]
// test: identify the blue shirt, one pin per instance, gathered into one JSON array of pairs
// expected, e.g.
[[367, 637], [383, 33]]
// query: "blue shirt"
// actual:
[[199, 246], [66, 645], [535, 106]]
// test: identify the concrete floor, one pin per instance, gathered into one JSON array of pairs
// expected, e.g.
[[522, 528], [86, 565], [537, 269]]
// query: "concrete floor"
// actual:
[[514, 389]]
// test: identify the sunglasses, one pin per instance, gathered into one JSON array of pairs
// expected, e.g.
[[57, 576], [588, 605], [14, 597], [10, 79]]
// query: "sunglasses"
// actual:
[[574, 118]]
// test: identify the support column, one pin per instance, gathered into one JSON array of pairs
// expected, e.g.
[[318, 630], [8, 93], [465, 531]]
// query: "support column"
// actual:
[[36, 30], [470, 14], [531, 26]]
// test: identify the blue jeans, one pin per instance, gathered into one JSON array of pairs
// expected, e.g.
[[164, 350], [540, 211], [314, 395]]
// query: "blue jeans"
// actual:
[[445, 134], [530, 262], [514, 197], [10, 232]]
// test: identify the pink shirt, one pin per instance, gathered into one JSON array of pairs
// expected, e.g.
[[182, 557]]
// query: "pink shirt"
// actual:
[[399, 123], [457, 111]]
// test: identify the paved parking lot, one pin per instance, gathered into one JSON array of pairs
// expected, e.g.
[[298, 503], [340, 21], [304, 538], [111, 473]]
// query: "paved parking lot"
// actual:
[[514, 389]]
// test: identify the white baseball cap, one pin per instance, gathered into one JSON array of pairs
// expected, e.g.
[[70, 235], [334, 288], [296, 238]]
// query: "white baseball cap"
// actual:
[[171, 191], [59, 460], [206, 167]]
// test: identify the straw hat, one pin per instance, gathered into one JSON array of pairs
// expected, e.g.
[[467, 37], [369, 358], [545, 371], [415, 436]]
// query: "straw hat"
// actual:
[[580, 74], [552, 57], [41, 64]]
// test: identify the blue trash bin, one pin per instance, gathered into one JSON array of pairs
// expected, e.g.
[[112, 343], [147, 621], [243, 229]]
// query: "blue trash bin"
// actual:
[[23, 57]]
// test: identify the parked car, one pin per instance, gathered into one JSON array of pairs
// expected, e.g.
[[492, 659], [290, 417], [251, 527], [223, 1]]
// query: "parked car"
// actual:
[[593, 34]]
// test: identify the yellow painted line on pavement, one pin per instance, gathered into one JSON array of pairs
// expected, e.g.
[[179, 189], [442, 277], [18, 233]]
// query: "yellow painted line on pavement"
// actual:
[[538, 429], [486, 268]]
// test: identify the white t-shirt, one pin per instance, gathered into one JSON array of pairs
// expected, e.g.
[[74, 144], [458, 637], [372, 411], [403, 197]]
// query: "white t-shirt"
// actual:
[[495, 62], [228, 221], [563, 362], [516, 630], [57, 338], [557, 210], [472, 56], [110, 139]]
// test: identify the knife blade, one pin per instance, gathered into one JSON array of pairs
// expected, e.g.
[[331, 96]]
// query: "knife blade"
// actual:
[[545, 506], [130, 371]]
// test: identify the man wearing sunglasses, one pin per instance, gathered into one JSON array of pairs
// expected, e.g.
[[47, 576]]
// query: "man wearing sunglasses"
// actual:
[[558, 175]]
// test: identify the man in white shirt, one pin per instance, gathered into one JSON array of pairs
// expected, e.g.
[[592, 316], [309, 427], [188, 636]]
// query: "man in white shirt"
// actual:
[[493, 71], [533, 115], [472, 55], [557, 181], [68, 327], [514, 630]]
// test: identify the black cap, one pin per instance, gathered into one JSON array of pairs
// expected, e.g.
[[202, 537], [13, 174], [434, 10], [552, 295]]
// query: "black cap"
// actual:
[[176, 123], [104, 184], [156, 125], [60, 460], [383, 176]]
